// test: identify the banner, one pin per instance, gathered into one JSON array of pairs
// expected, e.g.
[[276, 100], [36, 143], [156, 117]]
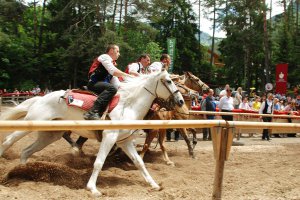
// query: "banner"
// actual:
[[281, 78], [171, 43]]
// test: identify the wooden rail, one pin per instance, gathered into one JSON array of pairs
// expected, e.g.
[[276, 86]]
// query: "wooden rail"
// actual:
[[11, 125], [192, 112], [222, 133], [14, 99]]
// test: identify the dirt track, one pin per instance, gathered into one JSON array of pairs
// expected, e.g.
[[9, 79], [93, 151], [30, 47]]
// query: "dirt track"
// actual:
[[258, 170]]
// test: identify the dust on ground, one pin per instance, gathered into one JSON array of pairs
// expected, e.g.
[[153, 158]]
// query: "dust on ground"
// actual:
[[259, 170]]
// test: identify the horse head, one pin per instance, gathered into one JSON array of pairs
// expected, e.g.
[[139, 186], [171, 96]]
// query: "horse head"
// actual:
[[166, 89], [196, 83]]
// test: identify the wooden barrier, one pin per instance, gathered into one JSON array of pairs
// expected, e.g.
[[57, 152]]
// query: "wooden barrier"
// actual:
[[14, 99], [254, 117], [222, 133]]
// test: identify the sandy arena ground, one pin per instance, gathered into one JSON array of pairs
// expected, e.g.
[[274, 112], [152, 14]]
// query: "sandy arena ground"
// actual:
[[259, 170]]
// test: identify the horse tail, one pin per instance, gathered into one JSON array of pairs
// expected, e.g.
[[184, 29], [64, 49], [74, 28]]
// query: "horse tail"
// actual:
[[20, 110]]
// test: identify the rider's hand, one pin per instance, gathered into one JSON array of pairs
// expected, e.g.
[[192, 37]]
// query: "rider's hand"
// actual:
[[128, 76]]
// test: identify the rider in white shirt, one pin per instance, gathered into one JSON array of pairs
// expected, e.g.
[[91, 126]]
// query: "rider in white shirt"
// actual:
[[165, 61], [139, 67]]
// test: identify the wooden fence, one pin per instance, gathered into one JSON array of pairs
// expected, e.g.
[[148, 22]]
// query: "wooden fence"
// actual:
[[254, 117], [222, 133]]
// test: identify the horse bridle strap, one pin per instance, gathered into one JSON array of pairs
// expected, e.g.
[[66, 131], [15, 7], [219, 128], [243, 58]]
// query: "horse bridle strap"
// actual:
[[164, 83]]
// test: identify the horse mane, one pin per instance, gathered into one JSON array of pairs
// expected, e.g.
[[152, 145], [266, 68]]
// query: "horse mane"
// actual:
[[190, 74], [129, 87]]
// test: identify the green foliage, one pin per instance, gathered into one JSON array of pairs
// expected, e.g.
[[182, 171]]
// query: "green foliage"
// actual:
[[75, 32], [176, 19], [154, 50]]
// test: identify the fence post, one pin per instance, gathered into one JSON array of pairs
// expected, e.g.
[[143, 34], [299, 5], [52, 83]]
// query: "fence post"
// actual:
[[222, 141]]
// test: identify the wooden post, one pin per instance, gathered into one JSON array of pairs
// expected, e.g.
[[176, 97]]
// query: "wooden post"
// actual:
[[238, 132], [222, 140]]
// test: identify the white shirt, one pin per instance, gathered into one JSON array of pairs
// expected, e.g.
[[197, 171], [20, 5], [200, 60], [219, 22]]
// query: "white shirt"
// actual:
[[155, 67], [135, 67], [226, 103], [244, 106], [107, 63], [223, 93], [262, 107]]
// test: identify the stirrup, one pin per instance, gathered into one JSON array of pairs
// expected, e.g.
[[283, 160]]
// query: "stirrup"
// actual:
[[103, 117], [91, 116]]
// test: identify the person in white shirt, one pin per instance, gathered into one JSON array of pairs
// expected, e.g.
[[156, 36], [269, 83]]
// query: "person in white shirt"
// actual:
[[267, 107], [139, 67], [103, 81], [224, 92], [244, 105], [165, 62], [226, 105]]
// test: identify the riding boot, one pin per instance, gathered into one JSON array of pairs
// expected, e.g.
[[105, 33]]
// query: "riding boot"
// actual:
[[94, 113], [101, 103]]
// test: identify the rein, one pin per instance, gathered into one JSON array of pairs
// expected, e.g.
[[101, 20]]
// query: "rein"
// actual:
[[168, 103], [197, 82]]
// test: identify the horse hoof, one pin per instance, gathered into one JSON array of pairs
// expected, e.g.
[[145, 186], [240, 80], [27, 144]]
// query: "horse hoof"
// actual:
[[171, 163], [76, 151], [158, 188], [95, 192]]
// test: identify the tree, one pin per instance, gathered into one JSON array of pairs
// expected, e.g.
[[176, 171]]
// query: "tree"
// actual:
[[176, 19]]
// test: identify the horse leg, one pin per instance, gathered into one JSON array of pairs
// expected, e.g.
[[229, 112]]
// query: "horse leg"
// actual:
[[11, 139], [194, 132], [107, 143], [76, 146], [44, 139], [67, 137], [129, 149], [150, 136], [161, 140], [183, 133]]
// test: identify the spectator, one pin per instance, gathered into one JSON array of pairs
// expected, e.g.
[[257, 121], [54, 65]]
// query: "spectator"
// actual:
[[33, 91], [281, 104], [38, 89], [226, 105], [46, 91], [244, 105], [298, 102], [276, 104], [224, 92], [208, 104], [267, 107], [16, 91], [256, 104], [237, 98]]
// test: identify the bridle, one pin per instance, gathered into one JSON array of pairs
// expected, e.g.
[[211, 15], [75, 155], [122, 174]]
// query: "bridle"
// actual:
[[169, 103], [189, 91], [202, 86]]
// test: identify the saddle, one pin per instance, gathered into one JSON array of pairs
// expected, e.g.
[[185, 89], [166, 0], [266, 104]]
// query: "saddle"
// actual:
[[85, 99]]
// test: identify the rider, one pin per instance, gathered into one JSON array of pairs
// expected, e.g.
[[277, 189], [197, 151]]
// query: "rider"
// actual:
[[139, 67], [165, 62], [103, 81]]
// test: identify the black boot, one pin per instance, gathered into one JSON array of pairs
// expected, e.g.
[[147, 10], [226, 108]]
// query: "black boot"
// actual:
[[91, 115], [94, 112]]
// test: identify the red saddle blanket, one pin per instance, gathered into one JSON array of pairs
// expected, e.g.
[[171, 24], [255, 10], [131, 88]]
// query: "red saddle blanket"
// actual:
[[85, 100]]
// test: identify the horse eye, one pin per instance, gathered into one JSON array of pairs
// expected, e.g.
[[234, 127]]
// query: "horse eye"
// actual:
[[169, 81]]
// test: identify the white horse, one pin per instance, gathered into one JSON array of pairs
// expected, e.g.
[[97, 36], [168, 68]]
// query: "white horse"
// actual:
[[136, 97]]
